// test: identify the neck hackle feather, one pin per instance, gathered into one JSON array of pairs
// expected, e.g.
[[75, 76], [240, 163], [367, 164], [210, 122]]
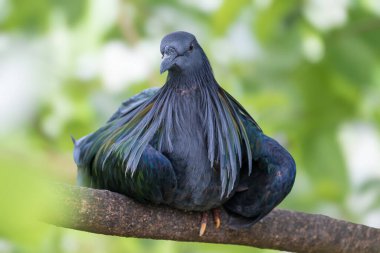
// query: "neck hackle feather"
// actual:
[[123, 140]]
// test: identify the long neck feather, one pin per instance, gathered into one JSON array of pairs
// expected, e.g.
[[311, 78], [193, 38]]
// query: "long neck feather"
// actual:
[[128, 136]]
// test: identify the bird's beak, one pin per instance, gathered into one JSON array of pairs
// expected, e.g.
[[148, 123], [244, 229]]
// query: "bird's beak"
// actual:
[[168, 59]]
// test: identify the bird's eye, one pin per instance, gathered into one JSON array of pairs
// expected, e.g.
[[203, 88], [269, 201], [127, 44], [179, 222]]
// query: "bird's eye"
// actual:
[[191, 47]]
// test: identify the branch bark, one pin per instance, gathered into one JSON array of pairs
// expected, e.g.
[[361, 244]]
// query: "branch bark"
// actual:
[[105, 212]]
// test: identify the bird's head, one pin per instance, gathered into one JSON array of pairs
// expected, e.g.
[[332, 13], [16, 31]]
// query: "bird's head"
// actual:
[[181, 53]]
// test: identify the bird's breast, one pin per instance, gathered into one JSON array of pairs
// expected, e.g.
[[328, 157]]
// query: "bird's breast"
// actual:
[[198, 183]]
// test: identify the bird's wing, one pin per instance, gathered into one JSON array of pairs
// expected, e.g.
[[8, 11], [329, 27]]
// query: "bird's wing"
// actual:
[[87, 148], [133, 102], [102, 166], [271, 180]]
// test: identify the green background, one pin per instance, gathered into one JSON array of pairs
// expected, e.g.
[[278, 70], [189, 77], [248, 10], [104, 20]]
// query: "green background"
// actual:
[[307, 71]]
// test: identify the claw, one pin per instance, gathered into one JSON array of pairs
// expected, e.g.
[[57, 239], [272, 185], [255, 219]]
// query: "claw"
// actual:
[[203, 223], [217, 220], [216, 214]]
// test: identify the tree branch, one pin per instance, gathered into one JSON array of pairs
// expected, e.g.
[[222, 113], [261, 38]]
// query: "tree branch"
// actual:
[[105, 212]]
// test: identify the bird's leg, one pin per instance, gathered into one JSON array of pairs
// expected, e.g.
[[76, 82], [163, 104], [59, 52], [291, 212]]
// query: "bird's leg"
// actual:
[[216, 214], [203, 223]]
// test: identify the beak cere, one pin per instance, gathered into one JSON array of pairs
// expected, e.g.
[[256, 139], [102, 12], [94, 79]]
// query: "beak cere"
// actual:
[[168, 60]]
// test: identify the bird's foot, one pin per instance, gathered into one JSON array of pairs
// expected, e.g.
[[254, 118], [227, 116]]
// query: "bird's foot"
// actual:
[[216, 214], [203, 223]]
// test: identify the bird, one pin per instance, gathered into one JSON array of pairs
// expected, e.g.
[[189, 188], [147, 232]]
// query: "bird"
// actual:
[[189, 145]]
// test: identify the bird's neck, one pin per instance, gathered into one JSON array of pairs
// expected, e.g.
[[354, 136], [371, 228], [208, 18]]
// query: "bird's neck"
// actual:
[[186, 90], [185, 83]]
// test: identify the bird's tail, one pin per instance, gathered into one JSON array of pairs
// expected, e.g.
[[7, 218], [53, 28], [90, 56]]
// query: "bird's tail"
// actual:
[[73, 139], [83, 178]]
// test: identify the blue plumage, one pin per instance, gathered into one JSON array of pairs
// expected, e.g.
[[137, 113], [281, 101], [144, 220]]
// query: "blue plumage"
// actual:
[[189, 145]]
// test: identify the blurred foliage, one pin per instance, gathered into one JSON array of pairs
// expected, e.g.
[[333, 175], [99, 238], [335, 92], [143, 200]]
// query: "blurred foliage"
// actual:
[[300, 79]]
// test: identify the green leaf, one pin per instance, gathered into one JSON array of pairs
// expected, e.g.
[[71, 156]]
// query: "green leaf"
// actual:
[[227, 14], [276, 19], [74, 10], [30, 16], [351, 57]]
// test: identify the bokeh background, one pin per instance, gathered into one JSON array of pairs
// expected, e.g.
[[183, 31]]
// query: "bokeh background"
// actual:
[[307, 71]]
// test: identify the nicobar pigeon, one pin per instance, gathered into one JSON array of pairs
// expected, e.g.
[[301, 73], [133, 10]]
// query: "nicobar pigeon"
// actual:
[[189, 145]]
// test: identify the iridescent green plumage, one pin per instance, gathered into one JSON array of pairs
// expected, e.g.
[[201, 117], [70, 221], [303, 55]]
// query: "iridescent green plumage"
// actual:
[[189, 144]]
